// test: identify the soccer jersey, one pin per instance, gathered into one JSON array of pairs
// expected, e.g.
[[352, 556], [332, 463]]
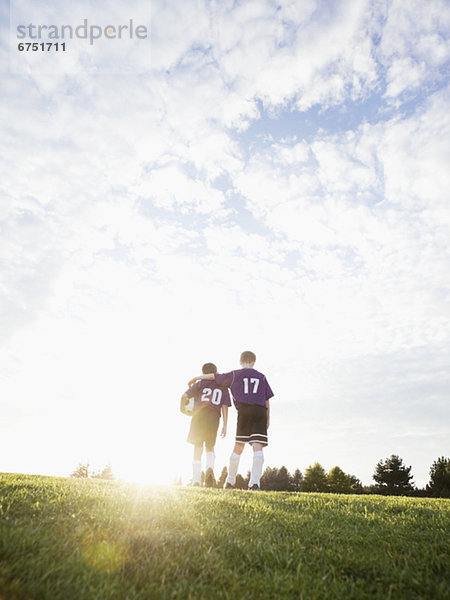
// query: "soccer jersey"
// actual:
[[247, 385], [209, 394]]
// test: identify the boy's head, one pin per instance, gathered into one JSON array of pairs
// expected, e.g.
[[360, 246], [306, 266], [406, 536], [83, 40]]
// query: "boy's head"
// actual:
[[248, 358], [209, 368]]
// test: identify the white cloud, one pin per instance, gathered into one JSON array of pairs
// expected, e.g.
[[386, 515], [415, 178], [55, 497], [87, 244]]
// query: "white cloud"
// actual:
[[314, 64], [415, 155], [341, 171], [414, 28], [373, 256], [403, 74], [413, 46], [290, 155], [170, 188]]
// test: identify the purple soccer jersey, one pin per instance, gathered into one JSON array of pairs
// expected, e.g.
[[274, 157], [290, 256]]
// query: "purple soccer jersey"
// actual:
[[248, 386], [209, 394]]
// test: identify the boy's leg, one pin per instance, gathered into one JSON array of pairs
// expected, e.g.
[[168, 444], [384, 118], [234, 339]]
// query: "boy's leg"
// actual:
[[242, 435], [258, 462], [210, 457], [234, 462], [197, 465], [212, 419], [210, 480]]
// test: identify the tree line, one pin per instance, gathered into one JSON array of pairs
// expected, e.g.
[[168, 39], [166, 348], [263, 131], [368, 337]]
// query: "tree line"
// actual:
[[391, 476], [83, 471]]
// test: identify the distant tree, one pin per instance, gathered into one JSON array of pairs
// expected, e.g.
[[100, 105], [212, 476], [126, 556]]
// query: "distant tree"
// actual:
[[439, 485], [268, 478], [105, 473], [357, 486], [277, 480], [392, 476], [315, 479], [222, 478], [420, 493], [283, 480], [81, 472], [296, 481], [338, 481]]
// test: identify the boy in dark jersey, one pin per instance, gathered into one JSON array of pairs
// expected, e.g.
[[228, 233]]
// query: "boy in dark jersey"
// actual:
[[210, 401], [251, 393]]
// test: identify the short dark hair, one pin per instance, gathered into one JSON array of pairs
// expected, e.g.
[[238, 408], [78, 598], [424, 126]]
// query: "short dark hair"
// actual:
[[209, 368], [248, 357]]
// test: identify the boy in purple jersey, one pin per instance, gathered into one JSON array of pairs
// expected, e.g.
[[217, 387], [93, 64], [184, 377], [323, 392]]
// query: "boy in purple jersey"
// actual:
[[251, 393], [210, 401]]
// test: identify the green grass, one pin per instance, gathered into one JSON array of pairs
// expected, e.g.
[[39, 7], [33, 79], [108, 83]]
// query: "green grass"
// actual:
[[65, 538]]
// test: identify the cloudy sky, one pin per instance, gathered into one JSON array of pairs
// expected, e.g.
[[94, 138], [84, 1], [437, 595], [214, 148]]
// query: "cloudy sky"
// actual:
[[268, 175]]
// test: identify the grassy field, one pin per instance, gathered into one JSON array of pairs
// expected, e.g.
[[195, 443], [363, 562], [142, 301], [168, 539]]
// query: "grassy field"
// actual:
[[90, 539]]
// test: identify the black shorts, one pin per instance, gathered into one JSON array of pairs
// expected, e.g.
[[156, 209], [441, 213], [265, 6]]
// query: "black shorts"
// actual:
[[252, 424], [204, 425]]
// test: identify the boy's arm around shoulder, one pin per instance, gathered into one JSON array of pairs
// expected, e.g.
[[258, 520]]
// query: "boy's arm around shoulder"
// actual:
[[208, 376]]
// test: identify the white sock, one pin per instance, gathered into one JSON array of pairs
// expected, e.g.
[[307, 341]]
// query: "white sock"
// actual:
[[258, 461], [210, 457], [232, 471], [196, 471]]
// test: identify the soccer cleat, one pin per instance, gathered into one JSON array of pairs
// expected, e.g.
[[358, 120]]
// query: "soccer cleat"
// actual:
[[210, 480], [228, 486], [255, 488]]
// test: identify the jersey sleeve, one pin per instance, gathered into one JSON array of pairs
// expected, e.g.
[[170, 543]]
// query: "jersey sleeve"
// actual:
[[190, 393], [269, 393], [224, 379]]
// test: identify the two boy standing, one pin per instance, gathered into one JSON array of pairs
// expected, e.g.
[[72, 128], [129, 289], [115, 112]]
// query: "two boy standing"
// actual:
[[251, 394]]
